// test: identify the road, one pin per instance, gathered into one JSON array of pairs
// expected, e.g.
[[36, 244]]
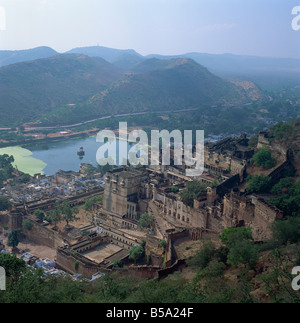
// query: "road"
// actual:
[[102, 118]]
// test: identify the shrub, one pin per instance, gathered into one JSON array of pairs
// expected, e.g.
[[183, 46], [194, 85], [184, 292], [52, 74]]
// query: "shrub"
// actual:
[[203, 256], [263, 158], [258, 184]]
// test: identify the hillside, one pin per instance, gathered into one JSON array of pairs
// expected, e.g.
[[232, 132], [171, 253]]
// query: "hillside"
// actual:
[[8, 57], [267, 72], [29, 90], [167, 86]]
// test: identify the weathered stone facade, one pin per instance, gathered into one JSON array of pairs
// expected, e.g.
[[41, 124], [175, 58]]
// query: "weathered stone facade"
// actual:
[[121, 192]]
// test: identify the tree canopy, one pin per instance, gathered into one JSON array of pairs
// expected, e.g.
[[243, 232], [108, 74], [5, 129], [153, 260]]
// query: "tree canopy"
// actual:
[[4, 203], [136, 253], [193, 190], [263, 157], [258, 184], [145, 220]]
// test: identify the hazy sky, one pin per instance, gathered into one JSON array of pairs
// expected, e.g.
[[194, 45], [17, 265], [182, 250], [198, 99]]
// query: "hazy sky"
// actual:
[[253, 27]]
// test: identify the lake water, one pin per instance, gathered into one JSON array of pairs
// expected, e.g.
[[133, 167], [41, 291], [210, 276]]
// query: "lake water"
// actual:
[[63, 154], [48, 158]]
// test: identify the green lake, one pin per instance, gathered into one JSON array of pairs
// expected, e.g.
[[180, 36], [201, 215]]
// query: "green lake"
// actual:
[[24, 160], [48, 158]]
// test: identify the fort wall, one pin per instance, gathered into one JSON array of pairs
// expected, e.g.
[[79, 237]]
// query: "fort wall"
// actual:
[[43, 235]]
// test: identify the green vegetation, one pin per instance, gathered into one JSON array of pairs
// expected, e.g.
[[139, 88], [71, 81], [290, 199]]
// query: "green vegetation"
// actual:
[[136, 253], [282, 186], [4, 203], [263, 158], [203, 256], [284, 132], [23, 160], [174, 189], [288, 200], [210, 283], [27, 224], [76, 264], [231, 236], [145, 220], [6, 168], [118, 263], [258, 184], [63, 78], [163, 244], [286, 231], [193, 190], [53, 216], [90, 202], [172, 87], [39, 214], [14, 238], [67, 212]]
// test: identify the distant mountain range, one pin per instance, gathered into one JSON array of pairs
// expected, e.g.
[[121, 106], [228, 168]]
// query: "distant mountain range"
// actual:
[[8, 57], [267, 72], [123, 58], [97, 81]]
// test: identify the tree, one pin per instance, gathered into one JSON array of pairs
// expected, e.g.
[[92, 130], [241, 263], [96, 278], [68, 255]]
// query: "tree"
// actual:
[[27, 225], [118, 263], [68, 213], [163, 244], [263, 158], [193, 190], [241, 246], [258, 184], [203, 256], [284, 231], [4, 203], [252, 143], [145, 220], [39, 214], [13, 238], [232, 236], [90, 202], [54, 216], [136, 253], [289, 201], [13, 266], [6, 160], [25, 178], [283, 183], [243, 252]]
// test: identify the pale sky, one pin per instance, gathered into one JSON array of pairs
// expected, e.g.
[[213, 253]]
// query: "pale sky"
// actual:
[[252, 27]]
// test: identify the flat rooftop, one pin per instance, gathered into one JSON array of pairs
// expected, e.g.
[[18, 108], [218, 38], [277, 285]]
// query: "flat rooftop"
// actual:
[[99, 253]]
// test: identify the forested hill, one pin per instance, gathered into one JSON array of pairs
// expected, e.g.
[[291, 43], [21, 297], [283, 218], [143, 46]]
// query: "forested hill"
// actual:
[[29, 90], [158, 86]]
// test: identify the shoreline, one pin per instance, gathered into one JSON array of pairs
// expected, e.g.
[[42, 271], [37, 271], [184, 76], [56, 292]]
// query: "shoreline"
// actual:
[[58, 138]]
